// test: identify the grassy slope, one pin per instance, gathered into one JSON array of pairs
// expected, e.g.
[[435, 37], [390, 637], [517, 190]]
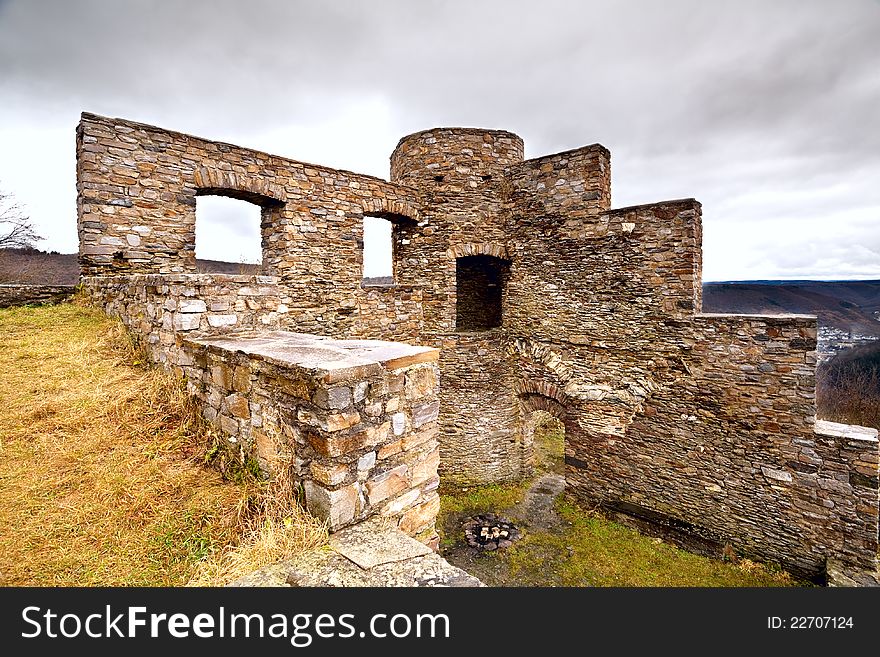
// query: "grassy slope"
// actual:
[[100, 466]]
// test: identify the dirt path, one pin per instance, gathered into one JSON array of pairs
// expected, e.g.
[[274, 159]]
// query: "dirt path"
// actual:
[[536, 509]]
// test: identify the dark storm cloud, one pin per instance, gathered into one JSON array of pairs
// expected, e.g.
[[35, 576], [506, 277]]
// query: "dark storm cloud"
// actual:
[[671, 74], [731, 102]]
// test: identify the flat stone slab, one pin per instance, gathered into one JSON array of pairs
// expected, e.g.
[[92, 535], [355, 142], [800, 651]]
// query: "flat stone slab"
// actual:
[[326, 567], [373, 543], [335, 360], [372, 553], [838, 430]]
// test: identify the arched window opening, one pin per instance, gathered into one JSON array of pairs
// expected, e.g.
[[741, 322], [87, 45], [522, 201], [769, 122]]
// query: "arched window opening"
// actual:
[[378, 251], [228, 236], [480, 284]]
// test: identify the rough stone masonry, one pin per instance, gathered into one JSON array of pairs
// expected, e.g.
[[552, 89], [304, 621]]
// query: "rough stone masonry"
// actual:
[[538, 295]]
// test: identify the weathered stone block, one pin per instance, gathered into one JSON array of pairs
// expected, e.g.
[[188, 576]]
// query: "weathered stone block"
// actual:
[[420, 517], [387, 484], [360, 392], [191, 306], [329, 474], [237, 405], [229, 425], [241, 379], [398, 504], [390, 449], [221, 375], [424, 413], [426, 468], [777, 475], [221, 321], [338, 444], [338, 507], [335, 398], [265, 448], [340, 421], [366, 462], [186, 321], [416, 438], [421, 381], [398, 423]]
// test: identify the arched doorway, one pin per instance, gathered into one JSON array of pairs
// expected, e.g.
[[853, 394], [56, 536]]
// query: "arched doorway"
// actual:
[[543, 418]]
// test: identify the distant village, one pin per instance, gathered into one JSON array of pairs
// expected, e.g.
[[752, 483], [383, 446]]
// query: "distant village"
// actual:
[[834, 340]]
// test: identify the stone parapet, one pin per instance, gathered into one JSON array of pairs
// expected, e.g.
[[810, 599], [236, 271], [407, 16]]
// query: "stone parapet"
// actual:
[[354, 420]]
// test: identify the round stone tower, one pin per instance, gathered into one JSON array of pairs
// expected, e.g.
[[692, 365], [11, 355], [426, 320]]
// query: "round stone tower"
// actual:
[[458, 255], [455, 159]]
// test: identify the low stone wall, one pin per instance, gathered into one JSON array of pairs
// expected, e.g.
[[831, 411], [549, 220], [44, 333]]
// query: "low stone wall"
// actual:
[[26, 295], [356, 421], [725, 450], [161, 309], [844, 497]]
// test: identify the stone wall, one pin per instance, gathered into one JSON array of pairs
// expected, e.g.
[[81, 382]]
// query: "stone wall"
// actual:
[[477, 399], [162, 310], [572, 186], [727, 451], [701, 424], [387, 312], [137, 187], [25, 295], [673, 417], [355, 422]]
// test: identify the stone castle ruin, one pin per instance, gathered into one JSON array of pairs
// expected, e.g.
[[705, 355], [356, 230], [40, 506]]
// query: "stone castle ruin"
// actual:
[[516, 288]]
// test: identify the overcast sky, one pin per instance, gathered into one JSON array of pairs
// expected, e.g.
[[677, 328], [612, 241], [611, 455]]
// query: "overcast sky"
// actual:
[[766, 112]]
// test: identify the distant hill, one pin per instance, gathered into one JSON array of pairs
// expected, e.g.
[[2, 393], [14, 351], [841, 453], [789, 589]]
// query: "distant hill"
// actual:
[[849, 306], [377, 280], [34, 266]]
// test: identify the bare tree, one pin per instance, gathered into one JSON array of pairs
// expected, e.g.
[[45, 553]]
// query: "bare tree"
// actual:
[[16, 228]]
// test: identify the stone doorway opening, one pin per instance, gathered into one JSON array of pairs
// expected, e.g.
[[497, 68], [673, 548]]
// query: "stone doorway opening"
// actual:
[[546, 432]]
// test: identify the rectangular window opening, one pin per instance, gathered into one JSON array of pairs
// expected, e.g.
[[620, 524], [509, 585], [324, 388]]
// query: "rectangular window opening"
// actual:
[[228, 236], [480, 290], [378, 252]]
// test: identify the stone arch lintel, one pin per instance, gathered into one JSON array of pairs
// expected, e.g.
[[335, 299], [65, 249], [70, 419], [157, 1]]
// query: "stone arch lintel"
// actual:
[[390, 209], [493, 249], [238, 186]]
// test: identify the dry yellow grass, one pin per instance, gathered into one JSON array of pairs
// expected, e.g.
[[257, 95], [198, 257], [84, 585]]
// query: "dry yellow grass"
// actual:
[[279, 529], [100, 467]]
